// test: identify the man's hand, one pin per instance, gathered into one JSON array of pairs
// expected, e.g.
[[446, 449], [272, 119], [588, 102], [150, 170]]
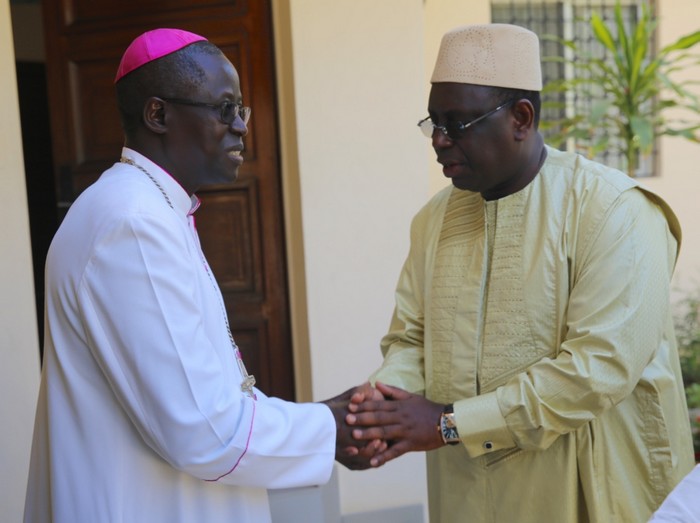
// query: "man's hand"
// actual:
[[354, 454], [407, 422]]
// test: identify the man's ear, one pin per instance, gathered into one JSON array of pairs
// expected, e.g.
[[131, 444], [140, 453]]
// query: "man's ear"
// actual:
[[154, 115], [524, 113]]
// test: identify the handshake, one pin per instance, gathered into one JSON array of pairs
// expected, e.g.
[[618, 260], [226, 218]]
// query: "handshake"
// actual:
[[377, 424]]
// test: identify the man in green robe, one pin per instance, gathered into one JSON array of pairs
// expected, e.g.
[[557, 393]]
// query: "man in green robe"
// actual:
[[532, 349]]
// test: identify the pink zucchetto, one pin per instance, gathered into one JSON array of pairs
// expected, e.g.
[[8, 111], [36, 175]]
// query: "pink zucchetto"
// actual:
[[152, 45], [497, 55]]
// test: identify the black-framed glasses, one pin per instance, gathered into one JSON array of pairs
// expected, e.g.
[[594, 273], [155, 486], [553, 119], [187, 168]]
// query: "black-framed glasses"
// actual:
[[228, 110], [455, 130]]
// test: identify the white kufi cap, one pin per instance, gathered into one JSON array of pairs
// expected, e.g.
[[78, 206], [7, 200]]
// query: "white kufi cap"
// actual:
[[497, 55]]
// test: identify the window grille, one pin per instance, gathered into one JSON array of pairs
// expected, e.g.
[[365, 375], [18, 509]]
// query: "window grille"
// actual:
[[570, 19]]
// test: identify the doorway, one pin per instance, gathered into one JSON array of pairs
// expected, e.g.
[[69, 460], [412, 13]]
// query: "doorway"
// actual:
[[240, 224]]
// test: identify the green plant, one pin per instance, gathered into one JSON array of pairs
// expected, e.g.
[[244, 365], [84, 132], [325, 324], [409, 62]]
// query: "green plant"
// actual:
[[692, 394], [687, 324], [634, 87]]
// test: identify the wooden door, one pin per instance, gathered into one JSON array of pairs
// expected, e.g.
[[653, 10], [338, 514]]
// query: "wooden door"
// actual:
[[240, 224]]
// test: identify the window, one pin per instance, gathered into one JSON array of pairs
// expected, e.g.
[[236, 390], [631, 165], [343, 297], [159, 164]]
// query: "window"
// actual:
[[570, 19]]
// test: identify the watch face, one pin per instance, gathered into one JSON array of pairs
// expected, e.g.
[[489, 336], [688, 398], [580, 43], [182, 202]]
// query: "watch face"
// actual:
[[449, 428]]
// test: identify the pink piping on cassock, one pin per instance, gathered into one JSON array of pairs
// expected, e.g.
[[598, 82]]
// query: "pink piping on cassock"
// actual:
[[250, 433]]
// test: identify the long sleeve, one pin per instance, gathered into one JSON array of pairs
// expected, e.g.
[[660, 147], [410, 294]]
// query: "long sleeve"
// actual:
[[155, 326]]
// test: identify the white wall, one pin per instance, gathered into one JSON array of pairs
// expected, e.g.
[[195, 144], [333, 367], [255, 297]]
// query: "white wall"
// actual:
[[359, 91], [19, 346], [679, 173]]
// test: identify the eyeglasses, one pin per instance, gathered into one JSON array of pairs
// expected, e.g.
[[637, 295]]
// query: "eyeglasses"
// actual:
[[454, 130], [228, 110]]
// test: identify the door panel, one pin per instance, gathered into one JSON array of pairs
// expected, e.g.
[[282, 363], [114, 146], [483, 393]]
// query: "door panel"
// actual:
[[89, 13], [240, 224]]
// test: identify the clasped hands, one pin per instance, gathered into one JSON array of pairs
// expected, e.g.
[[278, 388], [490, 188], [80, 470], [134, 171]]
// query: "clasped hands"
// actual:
[[377, 424]]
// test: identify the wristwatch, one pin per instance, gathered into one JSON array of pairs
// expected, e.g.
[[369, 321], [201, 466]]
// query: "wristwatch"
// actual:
[[448, 427]]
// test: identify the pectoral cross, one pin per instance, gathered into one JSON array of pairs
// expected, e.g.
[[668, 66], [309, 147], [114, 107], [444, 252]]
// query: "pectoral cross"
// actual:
[[247, 385], [248, 379]]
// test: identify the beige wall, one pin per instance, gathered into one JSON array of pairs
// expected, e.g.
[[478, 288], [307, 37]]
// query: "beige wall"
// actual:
[[19, 348], [360, 168], [679, 171]]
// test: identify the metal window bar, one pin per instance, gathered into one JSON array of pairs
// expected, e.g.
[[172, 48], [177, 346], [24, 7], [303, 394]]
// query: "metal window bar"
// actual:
[[570, 19]]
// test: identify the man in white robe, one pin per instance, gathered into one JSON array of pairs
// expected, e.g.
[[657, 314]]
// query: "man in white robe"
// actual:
[[146, 413]]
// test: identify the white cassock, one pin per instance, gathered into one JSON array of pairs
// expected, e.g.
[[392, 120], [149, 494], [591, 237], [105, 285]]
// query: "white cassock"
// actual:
[[683, 503], [141, 416]]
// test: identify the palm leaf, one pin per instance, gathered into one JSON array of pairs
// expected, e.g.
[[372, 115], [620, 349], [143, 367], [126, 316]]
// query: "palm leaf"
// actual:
[[630, 83]]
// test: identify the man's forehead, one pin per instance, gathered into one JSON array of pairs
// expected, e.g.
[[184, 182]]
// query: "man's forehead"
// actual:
[[152, 45]]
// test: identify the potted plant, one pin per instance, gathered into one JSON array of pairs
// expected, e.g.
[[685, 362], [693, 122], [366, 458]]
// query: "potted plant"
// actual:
[[634, 89]]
